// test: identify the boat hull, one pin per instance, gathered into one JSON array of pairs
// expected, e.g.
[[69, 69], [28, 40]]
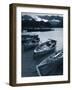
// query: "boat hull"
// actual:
[[50, 66], [46, 51], [30, 41]]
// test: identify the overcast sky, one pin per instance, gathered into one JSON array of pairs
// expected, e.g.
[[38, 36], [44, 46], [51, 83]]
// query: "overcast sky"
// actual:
[[41, 14]]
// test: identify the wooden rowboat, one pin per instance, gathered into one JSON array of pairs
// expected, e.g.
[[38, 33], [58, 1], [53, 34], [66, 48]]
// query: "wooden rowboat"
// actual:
[[30, 40], [45, 47], [52, 65]]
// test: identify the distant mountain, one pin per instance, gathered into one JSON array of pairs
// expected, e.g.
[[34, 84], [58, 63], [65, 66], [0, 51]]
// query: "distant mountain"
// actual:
[[26, 17], [34, 17], [37, 21], [45, 17]]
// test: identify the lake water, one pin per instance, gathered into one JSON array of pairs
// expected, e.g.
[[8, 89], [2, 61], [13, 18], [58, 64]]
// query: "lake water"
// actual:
[[28, 61], [56, 34]]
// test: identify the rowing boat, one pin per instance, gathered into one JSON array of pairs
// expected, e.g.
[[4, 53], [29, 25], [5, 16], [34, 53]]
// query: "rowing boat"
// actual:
[[45, 47], [52, 65]]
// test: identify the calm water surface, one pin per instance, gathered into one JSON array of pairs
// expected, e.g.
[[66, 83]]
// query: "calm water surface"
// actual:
[[28, 62], [57, 35]]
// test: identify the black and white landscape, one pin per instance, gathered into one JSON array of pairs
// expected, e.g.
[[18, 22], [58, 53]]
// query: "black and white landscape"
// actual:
[[41, 22], [42, 44]]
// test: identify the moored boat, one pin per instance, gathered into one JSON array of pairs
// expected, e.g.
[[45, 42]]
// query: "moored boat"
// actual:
[[29, 36], [45, 47], [52, 65], [30, 40]]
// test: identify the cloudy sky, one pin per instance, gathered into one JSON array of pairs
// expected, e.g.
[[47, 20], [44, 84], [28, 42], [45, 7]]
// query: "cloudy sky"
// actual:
[[41, 14]]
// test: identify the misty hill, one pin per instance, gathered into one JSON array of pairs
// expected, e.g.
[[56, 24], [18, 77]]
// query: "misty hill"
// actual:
[[37, 21]]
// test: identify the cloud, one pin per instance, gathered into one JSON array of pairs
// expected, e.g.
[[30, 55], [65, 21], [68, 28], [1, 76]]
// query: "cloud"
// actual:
[[45, 20], [37, 18], [54, 20]]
